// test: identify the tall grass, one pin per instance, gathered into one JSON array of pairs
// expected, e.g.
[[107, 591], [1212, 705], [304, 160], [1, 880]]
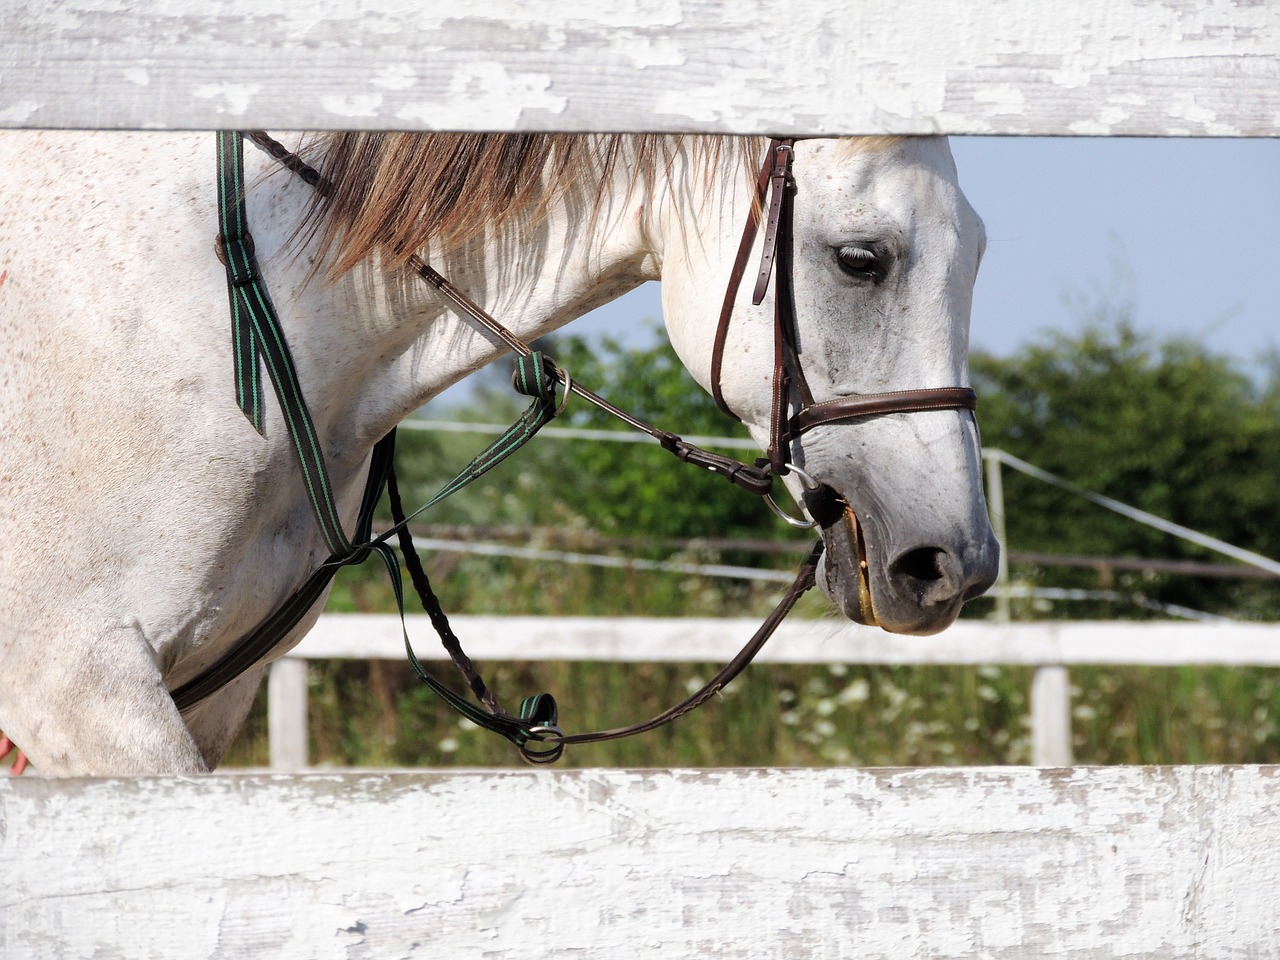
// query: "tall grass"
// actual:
[[376, 713]]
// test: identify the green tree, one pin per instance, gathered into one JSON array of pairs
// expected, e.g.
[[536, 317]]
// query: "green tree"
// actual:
[[1162, 424], [641, 488]]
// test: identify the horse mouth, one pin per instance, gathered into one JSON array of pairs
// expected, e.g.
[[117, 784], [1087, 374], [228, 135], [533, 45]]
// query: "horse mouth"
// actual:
[[845, 558], [851, 531], [913, 588]]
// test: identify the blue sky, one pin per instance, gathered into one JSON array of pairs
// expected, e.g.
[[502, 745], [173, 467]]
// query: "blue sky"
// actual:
[[1185, 232]]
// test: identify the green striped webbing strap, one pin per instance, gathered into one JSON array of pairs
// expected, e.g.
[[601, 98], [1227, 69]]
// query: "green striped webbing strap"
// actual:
[[262, 639], [257, 335], [534, 377]]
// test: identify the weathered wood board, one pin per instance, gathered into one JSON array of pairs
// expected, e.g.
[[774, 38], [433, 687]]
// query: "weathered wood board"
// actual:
[[1130, 862], [1090, 67]]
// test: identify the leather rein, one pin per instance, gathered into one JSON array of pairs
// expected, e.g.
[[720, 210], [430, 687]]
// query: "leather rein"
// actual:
[[534, 730]]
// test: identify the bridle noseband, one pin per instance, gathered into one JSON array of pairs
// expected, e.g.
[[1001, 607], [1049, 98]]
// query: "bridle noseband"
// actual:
[[775, 187]]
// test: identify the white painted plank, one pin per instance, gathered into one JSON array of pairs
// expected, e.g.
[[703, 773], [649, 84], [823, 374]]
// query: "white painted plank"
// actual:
[[640, 639], [999, 863], [1092, 67]]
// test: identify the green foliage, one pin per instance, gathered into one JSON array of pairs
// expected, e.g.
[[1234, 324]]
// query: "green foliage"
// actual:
[[641, 488], [1162, 425]]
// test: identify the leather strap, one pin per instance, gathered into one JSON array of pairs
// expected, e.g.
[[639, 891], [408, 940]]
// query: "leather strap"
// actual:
[[779, 167], [803, 582], [739, 268], [774, 186], [877, 404]]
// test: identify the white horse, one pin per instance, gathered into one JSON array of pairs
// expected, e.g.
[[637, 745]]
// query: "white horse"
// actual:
[[145, 526]]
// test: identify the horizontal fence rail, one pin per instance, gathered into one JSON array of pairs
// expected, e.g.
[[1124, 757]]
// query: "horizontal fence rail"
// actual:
[[1091, 67], [1179, 863], [1051, 648]]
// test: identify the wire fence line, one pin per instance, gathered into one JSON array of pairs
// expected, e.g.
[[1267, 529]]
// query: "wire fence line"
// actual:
[[1140, 516], [601, 560], [576, 433], [1015, 591], [580, 540]]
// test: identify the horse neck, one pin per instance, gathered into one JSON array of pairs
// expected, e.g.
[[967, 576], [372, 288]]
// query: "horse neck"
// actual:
[[532, 279], [698, 223]]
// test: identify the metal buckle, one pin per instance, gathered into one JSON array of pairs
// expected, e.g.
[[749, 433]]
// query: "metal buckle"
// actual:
[[809, 483]]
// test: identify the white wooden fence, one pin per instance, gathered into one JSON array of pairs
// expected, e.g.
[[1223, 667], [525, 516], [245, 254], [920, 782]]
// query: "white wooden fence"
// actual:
[[1015, 863], [1051, 648], [1090, 67]]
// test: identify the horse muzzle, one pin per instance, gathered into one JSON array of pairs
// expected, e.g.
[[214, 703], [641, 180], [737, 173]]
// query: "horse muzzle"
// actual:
[[912, 587]]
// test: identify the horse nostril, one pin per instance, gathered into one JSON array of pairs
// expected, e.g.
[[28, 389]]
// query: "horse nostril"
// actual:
[[923, 563]]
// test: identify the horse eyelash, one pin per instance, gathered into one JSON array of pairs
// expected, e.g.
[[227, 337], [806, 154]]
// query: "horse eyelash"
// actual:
[[856, 253]]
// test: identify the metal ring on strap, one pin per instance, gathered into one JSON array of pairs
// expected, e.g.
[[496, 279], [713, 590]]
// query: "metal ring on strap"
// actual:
[[568, 389], [554, 747], [811, 484]]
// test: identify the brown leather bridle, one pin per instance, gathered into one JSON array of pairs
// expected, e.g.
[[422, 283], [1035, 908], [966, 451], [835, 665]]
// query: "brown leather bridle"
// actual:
[[776, 185]]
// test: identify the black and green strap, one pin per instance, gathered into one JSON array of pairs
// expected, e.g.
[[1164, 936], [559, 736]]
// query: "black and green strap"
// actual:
[[257, 335]]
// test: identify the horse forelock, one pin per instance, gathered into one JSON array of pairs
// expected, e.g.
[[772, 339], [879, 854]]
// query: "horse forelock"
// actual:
[[393, 194]]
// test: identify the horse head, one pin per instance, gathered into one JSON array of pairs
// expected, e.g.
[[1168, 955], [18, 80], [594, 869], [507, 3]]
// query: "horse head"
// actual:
[[883, 254]]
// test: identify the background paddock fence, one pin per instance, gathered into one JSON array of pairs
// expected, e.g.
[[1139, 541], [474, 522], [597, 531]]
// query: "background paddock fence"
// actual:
[[1048, 647], [1179, 863]]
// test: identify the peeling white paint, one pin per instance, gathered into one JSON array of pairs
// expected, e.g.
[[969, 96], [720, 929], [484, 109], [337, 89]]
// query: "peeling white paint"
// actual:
[[1005, 96], [648, 51], [489, 88], [396, 76], [918, 66], [229, 98], [17, 112], [1176, 863], [353, 105]]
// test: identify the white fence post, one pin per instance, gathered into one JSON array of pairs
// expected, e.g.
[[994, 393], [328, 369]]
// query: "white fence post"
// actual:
[[995, 507], [287, 714], [1051, 716]]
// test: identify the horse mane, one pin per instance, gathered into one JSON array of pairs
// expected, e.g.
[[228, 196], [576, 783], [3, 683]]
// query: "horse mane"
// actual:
[[392, 194]]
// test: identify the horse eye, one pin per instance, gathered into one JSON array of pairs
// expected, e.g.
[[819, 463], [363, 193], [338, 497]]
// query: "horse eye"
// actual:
[[860, 261]]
